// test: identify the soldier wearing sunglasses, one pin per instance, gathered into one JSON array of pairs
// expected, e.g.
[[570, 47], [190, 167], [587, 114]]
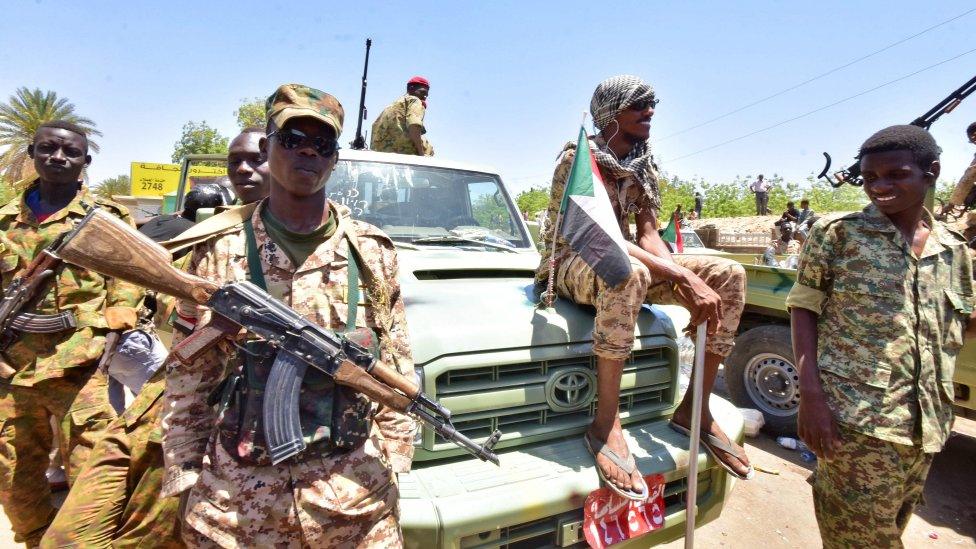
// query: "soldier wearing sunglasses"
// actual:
[[337, 272]]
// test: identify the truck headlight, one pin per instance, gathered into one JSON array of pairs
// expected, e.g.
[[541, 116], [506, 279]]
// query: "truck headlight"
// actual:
[[418, 437]]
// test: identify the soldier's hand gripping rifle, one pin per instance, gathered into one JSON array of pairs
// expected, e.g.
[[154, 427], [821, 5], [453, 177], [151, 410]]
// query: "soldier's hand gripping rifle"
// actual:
[[852, 173], [24, 293], [106, 245]]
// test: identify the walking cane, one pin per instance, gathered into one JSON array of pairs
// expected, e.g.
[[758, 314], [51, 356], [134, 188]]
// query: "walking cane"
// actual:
[[691, 494]]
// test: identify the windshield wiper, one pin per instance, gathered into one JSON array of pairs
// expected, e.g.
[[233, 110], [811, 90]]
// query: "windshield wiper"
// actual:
[[461, 240]]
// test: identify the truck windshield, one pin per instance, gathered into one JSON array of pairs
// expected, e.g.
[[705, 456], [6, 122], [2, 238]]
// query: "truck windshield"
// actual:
[[427, 205]]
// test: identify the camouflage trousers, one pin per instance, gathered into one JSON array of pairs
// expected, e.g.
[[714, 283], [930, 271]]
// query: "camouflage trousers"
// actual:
[[115, 500], [348, 500], [617, 306], [864, 496], [79, 401]]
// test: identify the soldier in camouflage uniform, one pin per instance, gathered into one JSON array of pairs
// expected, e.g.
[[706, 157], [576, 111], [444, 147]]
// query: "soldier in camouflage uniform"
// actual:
[[964, 187], [712, 288], [122, 480], [879, 311], [341, 491], [400, 127], [56, 373]]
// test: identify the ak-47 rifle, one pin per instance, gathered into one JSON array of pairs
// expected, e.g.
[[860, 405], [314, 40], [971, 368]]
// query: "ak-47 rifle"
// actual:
[[24, 293], [359, 143], [106, 245], [852, 173]]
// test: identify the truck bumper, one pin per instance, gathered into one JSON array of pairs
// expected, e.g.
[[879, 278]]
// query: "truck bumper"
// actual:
[[535, 498]]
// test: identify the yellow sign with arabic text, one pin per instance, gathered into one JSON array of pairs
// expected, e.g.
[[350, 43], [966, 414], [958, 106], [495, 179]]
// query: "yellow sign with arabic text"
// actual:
[[152, 179]]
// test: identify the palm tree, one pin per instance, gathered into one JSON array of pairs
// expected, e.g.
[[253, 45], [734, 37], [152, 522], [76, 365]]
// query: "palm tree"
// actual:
[[19, 119]]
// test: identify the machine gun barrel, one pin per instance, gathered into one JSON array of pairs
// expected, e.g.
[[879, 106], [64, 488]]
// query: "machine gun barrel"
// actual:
[[359, 143], [947, 105]]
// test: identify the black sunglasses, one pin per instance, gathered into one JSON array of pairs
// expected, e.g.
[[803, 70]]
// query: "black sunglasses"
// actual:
[[643, 105], [292, 139]]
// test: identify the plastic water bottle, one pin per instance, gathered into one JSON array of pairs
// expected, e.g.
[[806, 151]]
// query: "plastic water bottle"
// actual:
[[788, 442]]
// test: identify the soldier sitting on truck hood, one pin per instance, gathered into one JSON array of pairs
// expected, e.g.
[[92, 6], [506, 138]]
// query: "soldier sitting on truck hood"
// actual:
[[712, 288]]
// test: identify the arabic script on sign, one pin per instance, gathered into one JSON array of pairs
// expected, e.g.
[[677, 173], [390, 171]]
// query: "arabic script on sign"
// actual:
[[609, 518]]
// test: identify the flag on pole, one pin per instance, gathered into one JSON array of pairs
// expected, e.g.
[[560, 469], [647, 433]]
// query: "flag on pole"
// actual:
[[672, 234], [588, 221]]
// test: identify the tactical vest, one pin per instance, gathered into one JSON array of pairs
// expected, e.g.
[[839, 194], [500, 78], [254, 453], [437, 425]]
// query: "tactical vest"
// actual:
[[333, 418]]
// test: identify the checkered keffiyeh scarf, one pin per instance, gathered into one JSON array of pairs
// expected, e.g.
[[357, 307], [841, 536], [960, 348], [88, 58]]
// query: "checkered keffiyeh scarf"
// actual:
[[612, 96]]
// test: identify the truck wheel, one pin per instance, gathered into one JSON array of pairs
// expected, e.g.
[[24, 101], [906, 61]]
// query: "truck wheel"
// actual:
[[761, 373]]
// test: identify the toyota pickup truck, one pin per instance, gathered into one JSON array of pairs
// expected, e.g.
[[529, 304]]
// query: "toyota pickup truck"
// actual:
[[485, 351], [761, 371]]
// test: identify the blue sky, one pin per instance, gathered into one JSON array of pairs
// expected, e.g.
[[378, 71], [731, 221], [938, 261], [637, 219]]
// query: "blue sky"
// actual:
[[510, 80]]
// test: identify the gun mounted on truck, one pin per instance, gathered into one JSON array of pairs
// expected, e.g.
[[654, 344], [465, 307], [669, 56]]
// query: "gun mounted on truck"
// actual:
[[852, 173]]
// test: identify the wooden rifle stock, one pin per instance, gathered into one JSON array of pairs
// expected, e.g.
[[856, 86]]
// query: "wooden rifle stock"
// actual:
[[107, 245]]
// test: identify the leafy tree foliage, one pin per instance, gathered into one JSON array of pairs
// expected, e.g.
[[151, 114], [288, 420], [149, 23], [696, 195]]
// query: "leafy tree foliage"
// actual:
[[250, 113], [20, 117], [112, 186], [199, 138], [533, 201]]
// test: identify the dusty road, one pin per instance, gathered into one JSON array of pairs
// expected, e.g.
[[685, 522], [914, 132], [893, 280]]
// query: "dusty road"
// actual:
[[777, 510]]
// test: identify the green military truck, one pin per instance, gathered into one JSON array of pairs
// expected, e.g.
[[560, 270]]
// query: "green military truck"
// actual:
[[761, 372], [485, 351]]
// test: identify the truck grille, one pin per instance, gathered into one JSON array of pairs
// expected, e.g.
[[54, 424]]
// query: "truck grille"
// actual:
[[649, 390], [565, 530]]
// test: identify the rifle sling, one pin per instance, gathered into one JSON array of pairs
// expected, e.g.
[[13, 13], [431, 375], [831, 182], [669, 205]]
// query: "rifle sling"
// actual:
[[256, 272]]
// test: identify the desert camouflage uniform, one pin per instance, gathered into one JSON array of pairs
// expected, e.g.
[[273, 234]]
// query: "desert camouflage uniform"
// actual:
[[116, 502], [617, 307], [345, 499], [890, 326], [390, 128], [56, 374], [958, 198]]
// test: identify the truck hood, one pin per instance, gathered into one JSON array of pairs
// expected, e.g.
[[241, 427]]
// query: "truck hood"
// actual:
[[462, 301]]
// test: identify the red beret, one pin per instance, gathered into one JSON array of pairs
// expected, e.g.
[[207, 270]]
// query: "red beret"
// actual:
[[419, 80]]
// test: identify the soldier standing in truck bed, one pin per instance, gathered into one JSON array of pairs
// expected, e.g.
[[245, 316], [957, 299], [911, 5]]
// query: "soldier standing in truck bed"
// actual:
[[400, 127], [964, 188]]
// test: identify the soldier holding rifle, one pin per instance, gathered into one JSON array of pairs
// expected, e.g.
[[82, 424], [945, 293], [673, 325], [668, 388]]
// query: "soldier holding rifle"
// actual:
[[54, 374], [338, 273]]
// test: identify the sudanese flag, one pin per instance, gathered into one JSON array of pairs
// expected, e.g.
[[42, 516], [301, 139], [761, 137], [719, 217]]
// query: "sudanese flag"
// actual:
[[672, 234], [588, 222]]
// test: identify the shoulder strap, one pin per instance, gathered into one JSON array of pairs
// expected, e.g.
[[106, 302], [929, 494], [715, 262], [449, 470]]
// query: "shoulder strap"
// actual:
[[254, 271], [352, 295], [211, 226]]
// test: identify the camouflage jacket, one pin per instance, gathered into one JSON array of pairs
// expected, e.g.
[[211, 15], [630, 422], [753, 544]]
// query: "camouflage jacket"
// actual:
[[964, 185], [627, 197], [318, 291], [390, 128], [890, 324], [99, 304]]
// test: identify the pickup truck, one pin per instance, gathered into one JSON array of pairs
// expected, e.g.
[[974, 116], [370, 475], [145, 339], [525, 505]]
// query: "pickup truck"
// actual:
[[485, 351], [761, 371]]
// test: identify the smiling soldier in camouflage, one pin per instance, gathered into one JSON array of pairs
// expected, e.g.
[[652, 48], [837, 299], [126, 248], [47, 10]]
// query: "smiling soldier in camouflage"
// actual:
[[341, 491], [879, 311]]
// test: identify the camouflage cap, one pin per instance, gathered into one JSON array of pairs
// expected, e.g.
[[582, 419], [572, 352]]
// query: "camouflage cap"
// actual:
[[295, 100]]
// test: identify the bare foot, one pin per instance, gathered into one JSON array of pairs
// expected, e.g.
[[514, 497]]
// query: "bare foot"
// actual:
[[738, 461], [616, 442]]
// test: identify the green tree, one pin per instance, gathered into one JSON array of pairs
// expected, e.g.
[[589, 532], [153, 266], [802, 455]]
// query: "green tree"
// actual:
[[7, 192], [533, 201], [20, 117], [119, 184], [199, 138], [250, 113]]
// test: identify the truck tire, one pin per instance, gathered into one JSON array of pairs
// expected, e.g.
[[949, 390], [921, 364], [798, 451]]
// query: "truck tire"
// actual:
[[761, 373]]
